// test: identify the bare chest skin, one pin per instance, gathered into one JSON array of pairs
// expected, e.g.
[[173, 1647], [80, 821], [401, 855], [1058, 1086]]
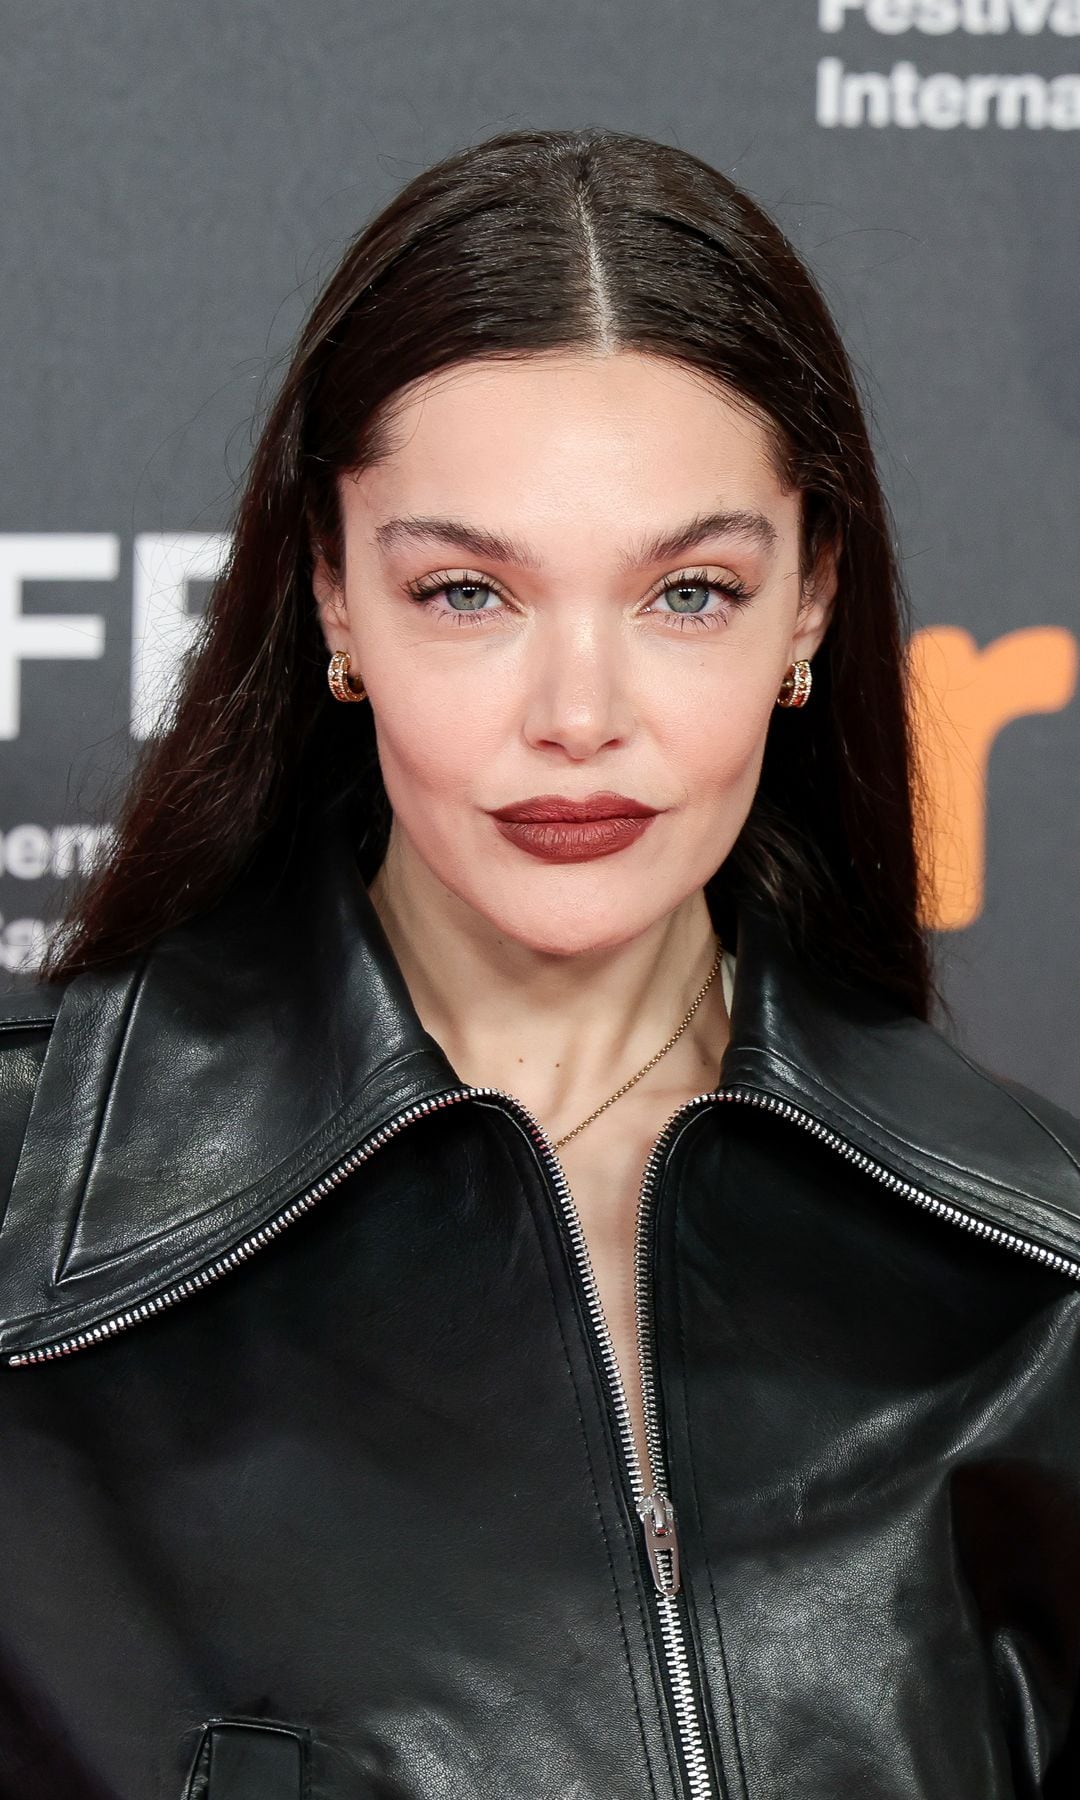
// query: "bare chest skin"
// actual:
[[604, 1167], [605, 1178]]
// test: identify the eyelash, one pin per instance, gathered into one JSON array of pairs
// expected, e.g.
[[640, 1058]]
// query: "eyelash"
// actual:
[[424, 592]]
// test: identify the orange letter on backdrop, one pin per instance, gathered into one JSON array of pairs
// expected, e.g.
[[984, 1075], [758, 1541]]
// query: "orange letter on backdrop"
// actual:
[[962, 697]]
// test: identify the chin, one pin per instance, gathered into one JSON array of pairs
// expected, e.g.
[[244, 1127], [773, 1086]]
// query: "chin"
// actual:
[[574, 929]]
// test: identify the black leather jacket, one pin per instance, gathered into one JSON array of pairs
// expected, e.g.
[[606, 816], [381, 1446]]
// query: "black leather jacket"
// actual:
[[315, 1480]]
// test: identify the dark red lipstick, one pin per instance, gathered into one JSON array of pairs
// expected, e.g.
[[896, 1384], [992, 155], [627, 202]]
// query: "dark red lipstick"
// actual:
[[558, 829]]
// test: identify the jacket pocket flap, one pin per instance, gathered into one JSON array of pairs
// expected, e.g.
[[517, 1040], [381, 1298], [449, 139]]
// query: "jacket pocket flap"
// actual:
[[244, 1760]]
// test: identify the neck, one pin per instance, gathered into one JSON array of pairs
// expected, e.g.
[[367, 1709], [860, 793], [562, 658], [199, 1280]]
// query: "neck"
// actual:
[[561, 1032]]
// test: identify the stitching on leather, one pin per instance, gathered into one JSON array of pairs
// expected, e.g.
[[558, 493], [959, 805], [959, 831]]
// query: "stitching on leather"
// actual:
[[101, 1110], [223, 1239], [27, 1146], [615, 1479], [735, 1739], [1006, 1085]]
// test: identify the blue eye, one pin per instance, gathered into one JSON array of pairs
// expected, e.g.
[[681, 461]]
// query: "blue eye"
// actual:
[[444, 597], [689, 599], [692, 597], [466, 600], [469, 590]]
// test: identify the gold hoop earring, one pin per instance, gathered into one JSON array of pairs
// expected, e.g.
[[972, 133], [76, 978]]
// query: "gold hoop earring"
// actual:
[[795, 687], [341, 685]]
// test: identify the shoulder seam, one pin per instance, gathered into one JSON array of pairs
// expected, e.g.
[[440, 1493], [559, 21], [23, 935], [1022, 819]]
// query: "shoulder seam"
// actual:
[[1007, 1086]]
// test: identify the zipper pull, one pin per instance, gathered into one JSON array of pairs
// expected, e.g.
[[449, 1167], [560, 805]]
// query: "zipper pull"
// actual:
[[657, 1515]]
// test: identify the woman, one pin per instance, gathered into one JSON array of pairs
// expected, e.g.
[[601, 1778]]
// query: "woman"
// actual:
[[506, 1291]]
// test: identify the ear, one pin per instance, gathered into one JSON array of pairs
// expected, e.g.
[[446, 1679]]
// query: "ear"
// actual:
[[329, 595], [816, 605]]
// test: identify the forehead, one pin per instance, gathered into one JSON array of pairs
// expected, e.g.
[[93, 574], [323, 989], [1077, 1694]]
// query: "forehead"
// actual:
[[564, 434]]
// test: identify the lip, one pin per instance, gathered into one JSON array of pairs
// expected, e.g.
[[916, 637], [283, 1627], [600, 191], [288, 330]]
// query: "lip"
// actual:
[[556, 829], [556, 809]]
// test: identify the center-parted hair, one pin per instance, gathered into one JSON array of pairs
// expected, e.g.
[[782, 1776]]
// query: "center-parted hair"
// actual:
[[536, 241]]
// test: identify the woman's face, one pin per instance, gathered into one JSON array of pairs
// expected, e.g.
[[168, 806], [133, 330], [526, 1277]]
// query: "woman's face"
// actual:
[[575, 575]]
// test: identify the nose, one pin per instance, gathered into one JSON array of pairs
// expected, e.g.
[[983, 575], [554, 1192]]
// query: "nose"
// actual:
[[578, 698]]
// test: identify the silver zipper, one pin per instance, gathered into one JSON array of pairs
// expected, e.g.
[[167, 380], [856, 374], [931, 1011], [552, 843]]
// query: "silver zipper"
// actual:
[[942, 1209], [654, 1508], [247, 1247]]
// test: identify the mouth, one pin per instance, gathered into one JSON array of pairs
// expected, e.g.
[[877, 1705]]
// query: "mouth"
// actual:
[[546, 809], [556, 829]]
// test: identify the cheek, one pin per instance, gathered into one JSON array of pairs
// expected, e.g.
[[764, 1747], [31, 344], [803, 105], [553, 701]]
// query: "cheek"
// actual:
[[433, 747], [716, 740]]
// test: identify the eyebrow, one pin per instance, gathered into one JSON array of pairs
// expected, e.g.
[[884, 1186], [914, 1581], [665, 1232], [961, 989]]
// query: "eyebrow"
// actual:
[[494, 547]]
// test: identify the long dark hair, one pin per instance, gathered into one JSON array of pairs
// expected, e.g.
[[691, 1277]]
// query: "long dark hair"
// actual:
[[531, 241]]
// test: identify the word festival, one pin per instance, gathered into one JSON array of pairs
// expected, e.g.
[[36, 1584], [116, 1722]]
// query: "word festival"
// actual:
[[938, 17]]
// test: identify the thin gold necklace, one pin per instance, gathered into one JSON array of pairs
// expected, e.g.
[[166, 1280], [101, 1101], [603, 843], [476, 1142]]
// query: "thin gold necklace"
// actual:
[[653, 1060]]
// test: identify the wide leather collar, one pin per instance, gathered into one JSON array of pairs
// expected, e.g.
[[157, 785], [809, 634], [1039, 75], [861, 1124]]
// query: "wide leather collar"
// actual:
[[189, 1096]]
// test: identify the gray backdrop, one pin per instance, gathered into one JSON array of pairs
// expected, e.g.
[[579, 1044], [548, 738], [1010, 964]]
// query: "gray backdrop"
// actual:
[[176, 181]]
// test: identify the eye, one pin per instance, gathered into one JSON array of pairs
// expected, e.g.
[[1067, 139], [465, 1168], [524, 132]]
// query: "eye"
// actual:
[[466, 597], [690, 598]]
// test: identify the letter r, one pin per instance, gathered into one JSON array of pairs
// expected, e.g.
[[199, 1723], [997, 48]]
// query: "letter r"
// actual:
[[963, 697], [832, 14]]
